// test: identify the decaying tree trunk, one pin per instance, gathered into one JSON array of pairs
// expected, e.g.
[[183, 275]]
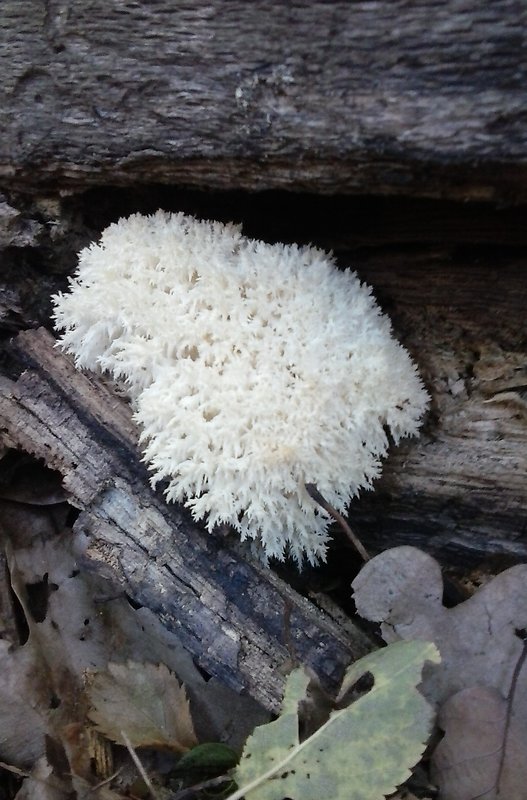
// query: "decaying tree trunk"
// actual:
[[241, 623], [388, 97]]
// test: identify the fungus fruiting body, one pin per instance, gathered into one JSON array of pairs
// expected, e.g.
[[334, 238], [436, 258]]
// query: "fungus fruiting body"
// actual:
[[253, 371]]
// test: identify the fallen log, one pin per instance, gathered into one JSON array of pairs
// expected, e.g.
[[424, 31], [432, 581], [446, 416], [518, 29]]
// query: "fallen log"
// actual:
[[388, 97], [241, 622], [459, 491]]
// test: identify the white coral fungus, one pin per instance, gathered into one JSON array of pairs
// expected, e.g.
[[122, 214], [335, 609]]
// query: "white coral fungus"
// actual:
[[253, 370]]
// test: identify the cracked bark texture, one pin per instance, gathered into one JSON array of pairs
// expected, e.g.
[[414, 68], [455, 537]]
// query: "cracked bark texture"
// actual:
[[460, 489], [424, 98]]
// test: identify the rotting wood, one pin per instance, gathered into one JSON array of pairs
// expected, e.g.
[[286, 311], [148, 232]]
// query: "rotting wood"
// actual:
[[460, 490], [422, 98], [240, 621]]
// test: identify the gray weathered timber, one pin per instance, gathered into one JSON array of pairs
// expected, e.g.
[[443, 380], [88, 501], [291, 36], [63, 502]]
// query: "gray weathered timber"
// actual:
[[241, 622], [419, 97], [460, 490]]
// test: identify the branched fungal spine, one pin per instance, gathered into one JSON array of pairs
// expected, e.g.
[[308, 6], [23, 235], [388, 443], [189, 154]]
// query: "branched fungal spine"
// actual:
[[253, 370]]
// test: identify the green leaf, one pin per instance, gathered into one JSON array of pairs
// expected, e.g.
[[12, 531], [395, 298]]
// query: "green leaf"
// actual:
[[363, 751], [207, 760]]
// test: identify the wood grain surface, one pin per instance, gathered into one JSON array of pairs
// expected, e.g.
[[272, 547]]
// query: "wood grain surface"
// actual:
[[424, 98]]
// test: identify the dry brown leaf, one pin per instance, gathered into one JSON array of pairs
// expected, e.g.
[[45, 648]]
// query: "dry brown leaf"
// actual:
[[402, 589], [24, 703], [218, 712], [466, 763], [43, 784], [481, 647], [146, 702]]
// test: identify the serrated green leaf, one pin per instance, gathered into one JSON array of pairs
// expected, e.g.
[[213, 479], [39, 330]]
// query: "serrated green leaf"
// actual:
[[363, 751]]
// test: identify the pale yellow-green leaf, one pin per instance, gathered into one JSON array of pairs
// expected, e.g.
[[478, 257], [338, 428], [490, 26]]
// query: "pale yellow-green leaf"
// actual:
[[276, 737], [363, 751], [146, 702]]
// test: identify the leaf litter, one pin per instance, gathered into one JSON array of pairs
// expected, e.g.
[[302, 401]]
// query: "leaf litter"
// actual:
[[144, 700], [480, 686], [68, 626], [470, 761], [60, 626]]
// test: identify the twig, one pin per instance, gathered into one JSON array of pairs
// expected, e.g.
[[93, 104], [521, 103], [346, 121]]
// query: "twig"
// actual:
[[16, 771], [510, 698], [190, 791], [135, 759], [106, 781], [317, 497]]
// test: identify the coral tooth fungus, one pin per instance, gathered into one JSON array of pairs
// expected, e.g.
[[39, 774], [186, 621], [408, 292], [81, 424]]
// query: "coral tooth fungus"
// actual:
[[253, 370]]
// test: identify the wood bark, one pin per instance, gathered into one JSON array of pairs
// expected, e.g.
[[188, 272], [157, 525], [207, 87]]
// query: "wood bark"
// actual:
[[397, 97], [459, 490], [241, 622]]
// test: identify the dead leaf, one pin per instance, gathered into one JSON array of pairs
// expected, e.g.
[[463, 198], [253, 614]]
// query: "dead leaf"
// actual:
[[24, 703], [466, 762], [218, 712], [402, 589], [42, 784], [480, 647], [146, 702]]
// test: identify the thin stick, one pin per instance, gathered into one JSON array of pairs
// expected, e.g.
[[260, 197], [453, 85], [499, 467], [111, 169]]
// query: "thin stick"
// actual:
[[190, 791], [106, 781], [357, 544], [135, 759], [20, 772], [510, 700]]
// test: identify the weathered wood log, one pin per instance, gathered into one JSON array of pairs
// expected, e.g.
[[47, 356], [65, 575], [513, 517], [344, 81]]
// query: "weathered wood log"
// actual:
[[460, 489], [242, 623], [396, 97]]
